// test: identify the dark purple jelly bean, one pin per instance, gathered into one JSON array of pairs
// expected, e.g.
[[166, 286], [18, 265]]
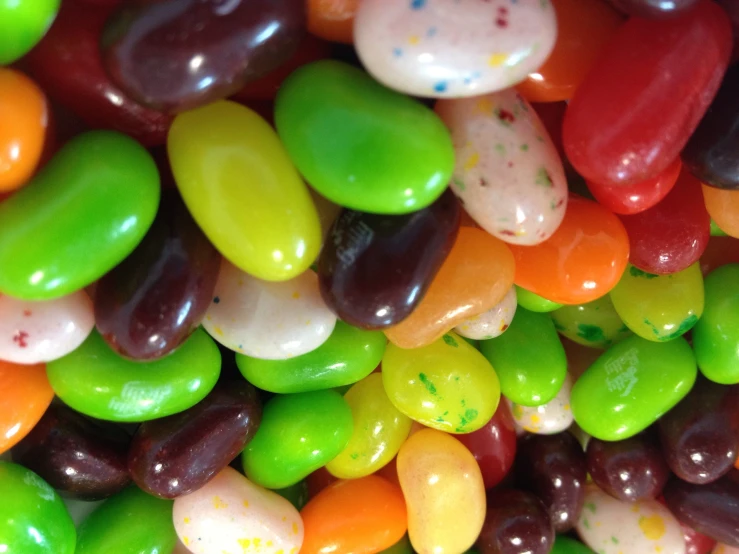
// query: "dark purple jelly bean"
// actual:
[[516, 522]]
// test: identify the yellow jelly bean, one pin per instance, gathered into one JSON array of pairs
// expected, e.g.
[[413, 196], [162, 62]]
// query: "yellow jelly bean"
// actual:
[[447, 385], [379, 431], [242, 190], [444, 493]]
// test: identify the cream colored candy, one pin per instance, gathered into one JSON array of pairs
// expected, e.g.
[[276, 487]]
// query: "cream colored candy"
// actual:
[[492, 323], [553, 417]]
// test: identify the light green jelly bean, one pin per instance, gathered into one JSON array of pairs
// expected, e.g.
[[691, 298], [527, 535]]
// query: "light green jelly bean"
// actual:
[[533, 302], [566, 545], [659, 307], [348, 356], [716, 335], [97, 382], [77, 218], [529, 359], [299, 433], [33, 519], [631, 385], [22, 24], [129, 522], [595, 324], [360, 144]]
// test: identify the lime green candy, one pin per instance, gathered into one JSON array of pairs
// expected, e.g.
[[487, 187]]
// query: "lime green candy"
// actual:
[[631, 385], [566, 545], [348, 356], [533, 302], [97, 382], [360, 144], [716, 335], [529, 359], [595, 324], [716, 230], [659, 307], [299, 433], [131, 521], [33, 519], [22, 24], [78, 218]]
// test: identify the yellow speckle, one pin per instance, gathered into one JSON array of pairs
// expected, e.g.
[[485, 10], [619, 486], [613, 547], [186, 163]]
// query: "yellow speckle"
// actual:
[[414, 39], [653, 527], [241, 282], [535, 419], [658, 548], [296, 295], [635, 508], [295, 528], [598, 523], [244, 543], [472, 161], [280, 551], [187, 520], [269, 543], [245, 503], [208, 317], [485, 105], [465, 327], [257, 543], [517, 411], [497, 59], [284, 518], [567, 408], [219, 504], [293, 550], [186, 541], [218, 330], [308, 322]]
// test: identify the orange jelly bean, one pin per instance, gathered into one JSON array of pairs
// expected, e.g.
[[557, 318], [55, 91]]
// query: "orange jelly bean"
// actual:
[[26, 393], [723, 207], [332, 19], [475, 276], [581, 261], [357, 516], [23, 113]]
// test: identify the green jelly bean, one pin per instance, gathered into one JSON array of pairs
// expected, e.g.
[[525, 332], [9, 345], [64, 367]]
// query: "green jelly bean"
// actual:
[[360, 144], [533, 302], [33, 519], [716, 230], [566, 545], [296, 494], [595, 324], [716, 335], [348, 356], [22, 24], [631, 385], [131, 521], [659, 307], [299, 433], [98, 382], [529, 359], [403, 546], [78, 218]]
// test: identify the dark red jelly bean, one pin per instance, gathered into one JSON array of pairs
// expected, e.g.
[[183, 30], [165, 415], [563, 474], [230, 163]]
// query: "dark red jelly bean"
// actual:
[[653, 9], [553, 468], [149, 304], [174, 55], [493, 446], [515, 522], [79, 457], [178, 454], [631, 469], [375, 269]]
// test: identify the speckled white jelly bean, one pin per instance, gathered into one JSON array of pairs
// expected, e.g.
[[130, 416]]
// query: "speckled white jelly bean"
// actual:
[[492, 323], [453, 48], [553, 417], [269, 320]]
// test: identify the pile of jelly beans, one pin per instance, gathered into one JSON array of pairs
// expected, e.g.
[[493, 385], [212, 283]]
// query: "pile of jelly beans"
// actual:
[[363, 276]]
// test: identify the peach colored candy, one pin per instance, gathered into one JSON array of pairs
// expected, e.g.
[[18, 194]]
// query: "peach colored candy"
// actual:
[[25, 394], [444, 492], [332, 19], [475, 277], [723, 207], [492, 323]]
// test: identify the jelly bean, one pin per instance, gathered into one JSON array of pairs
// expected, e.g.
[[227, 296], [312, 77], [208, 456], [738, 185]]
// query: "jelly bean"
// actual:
[[22, 25], [269, 228], [595, 324], [493, 446], [379, 431], [332, 19], [653, 9], [697, 543], [611, 526], [648, 89], [582, 261], [364, 515], [272, 321], [437, 472], [78, 457], [670, 236], [33, 519], [436, 49], [723, 549], [43, 331], [492, 323], [447, 385], [659, 307], [566, 545], [711, 509], [296, 494], [630, 386], [723, 207], [516, 521], [177, 455], [232, 514], [700, 436], [528, 358], [68, 66], [24, 110], [95, 381], [533, 302], [508, 174], [549, 418], [631, 469], [184, 72], [375, 269], [148, 305], [474, 278], [328, 111], [720, 251], [584, 27], [97, 197], [299, 433], [26, 395], [716, 333]]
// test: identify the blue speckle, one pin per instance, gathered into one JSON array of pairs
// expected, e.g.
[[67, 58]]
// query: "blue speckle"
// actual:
[[241, 347], [397, 52], [417, 4], [441, 86], [432, 32], [216, 300]]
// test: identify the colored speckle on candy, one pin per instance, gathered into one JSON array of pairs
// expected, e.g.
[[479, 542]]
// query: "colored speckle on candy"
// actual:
[[448, 339], [219, 504], [636, 272], [472, 161], [441, 86], [20, 339], [426, 383], [498, 59], [653, 527], [591, 333], [417, 4], [216, 300]]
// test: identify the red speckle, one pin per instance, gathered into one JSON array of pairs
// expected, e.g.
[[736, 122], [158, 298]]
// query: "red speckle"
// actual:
[[558, 204], [504, 327], [483, 182], [502, 19], [505, 115], [20, 339], [27, 313], [510, 164], [507, 233]]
